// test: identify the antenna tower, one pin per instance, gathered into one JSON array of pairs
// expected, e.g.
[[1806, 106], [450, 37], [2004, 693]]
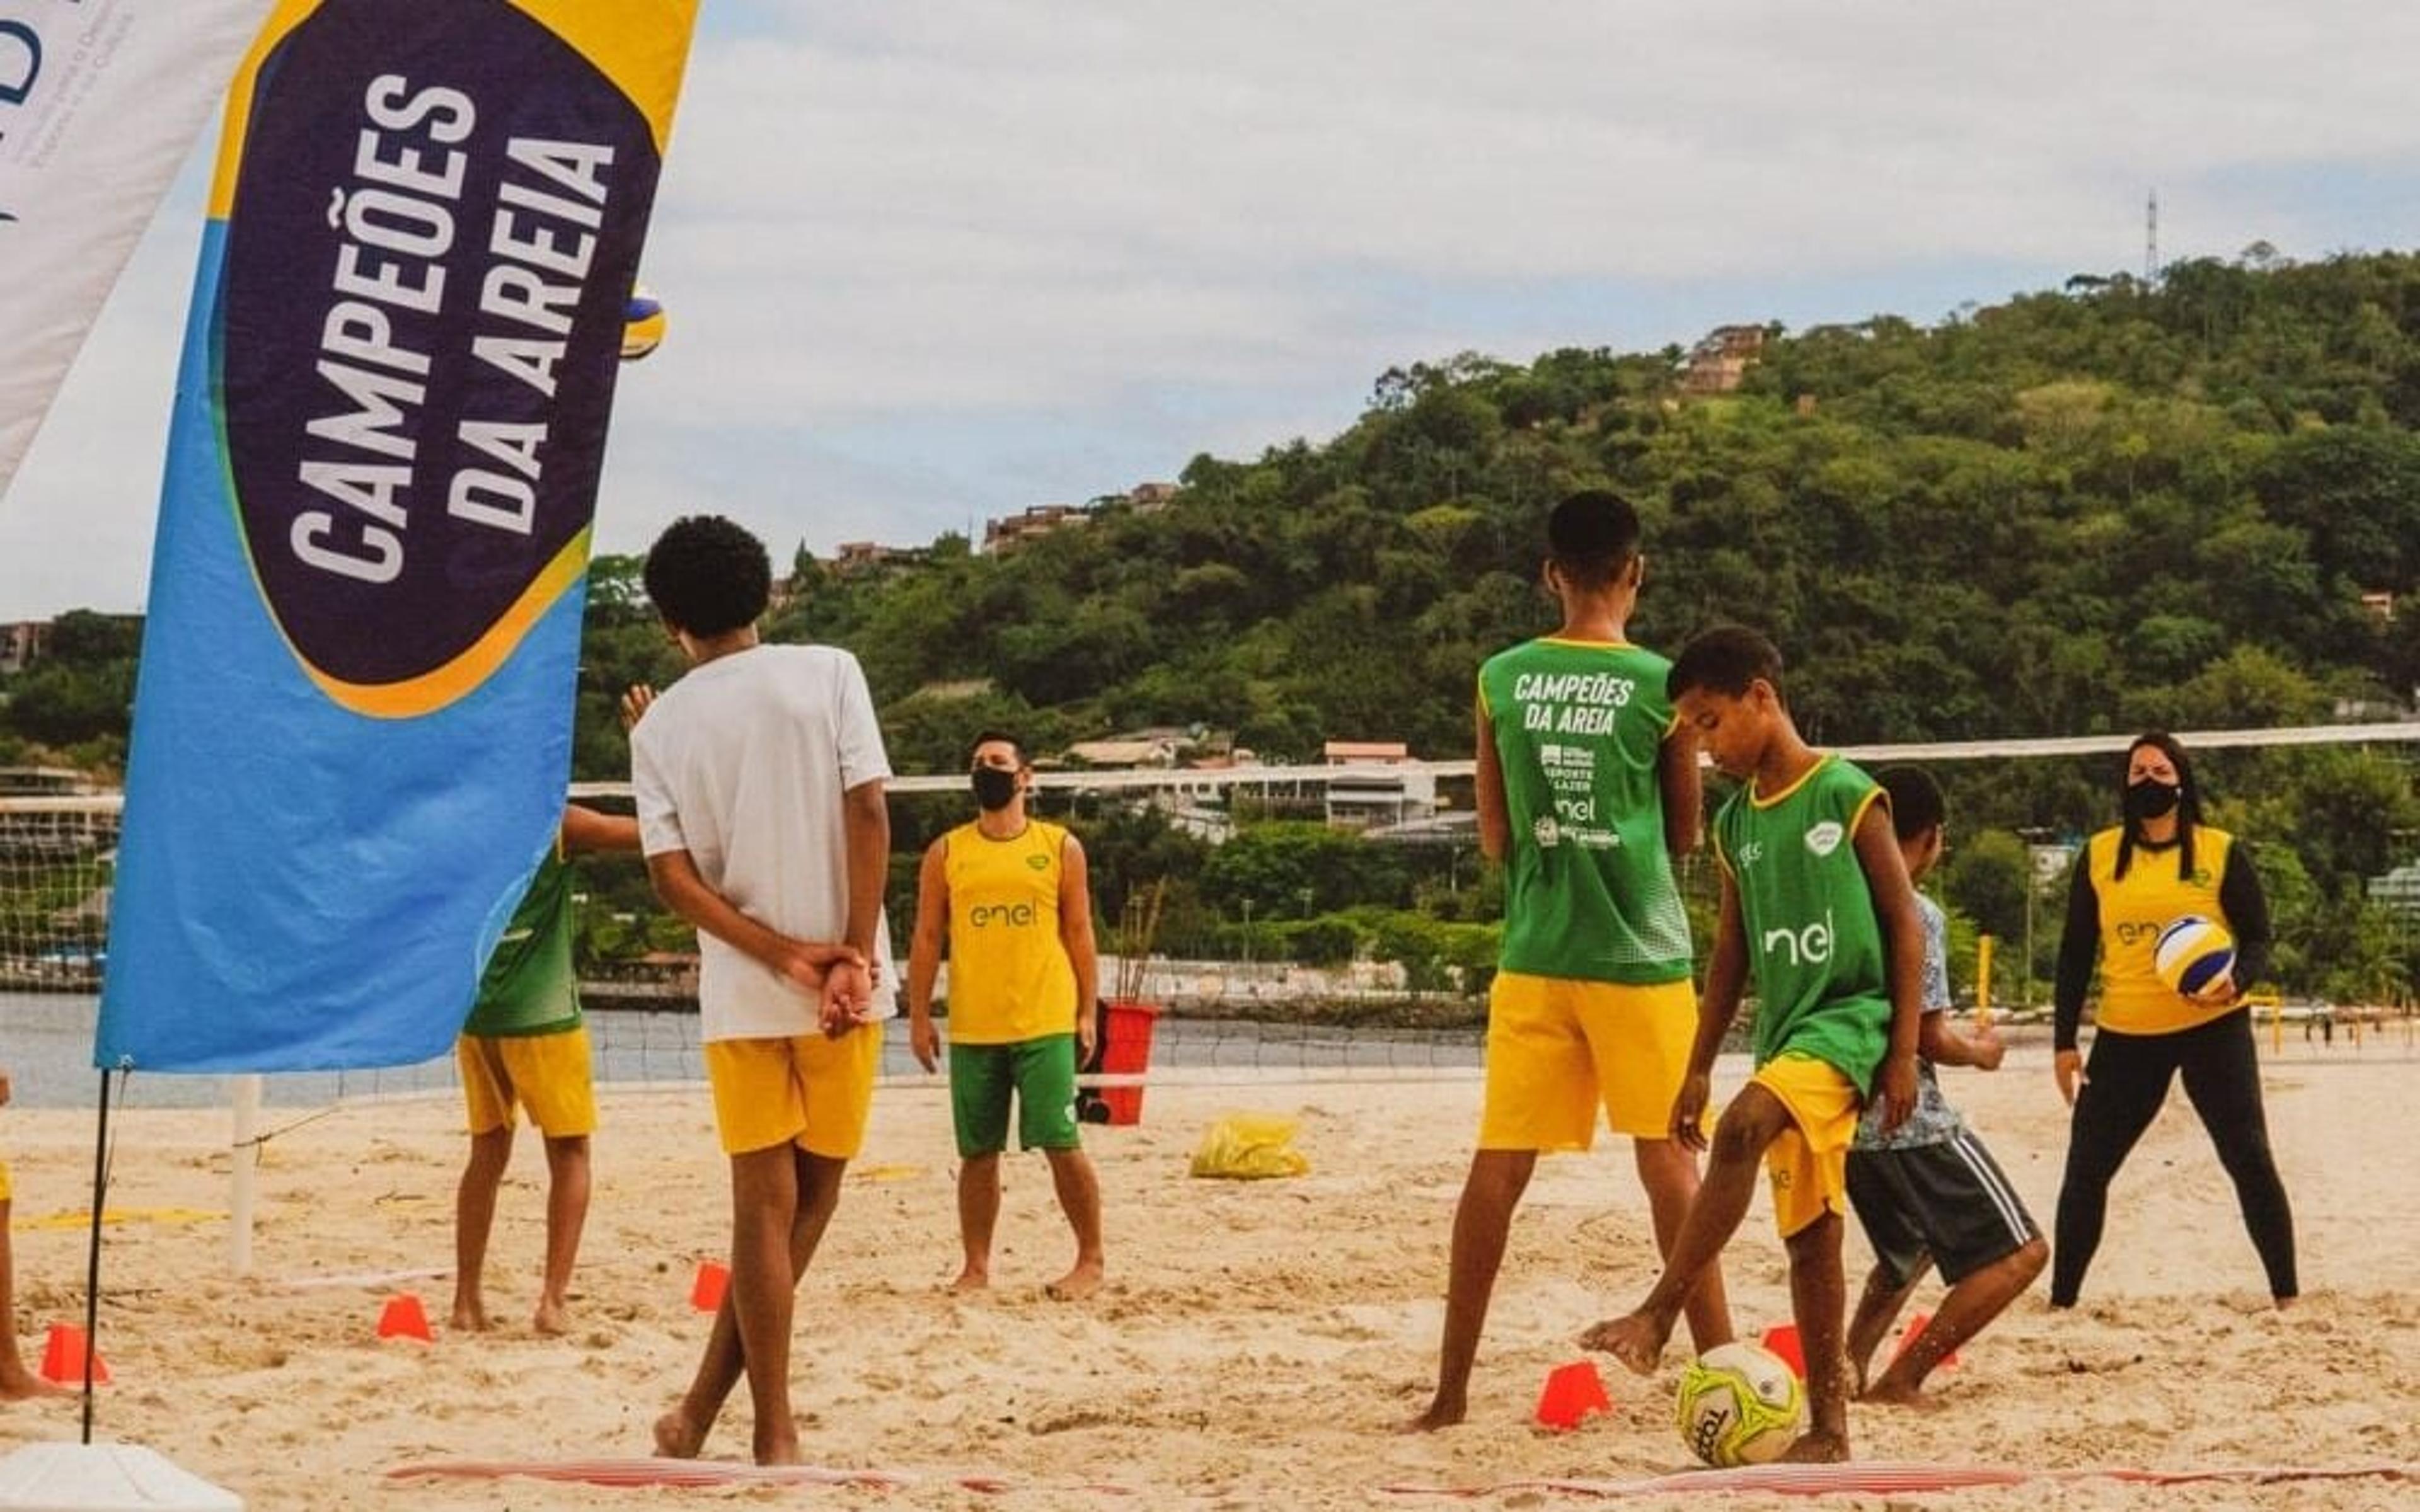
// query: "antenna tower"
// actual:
[[2151, 239]]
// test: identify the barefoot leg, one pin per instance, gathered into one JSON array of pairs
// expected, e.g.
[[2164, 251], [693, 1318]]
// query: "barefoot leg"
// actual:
[[1482, 1224], [978, 1215], [566, 1213], [1079, 1187], [474, 1215]]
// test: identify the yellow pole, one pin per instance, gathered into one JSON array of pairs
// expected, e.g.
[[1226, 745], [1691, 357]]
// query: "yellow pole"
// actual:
[[1983, 982]]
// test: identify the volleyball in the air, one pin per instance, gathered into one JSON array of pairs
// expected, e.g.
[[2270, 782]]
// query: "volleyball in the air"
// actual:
[[642, 324], [2192, 953], [1740, 1404]]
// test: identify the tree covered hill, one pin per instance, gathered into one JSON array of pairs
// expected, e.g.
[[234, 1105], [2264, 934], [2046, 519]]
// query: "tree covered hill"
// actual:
[[2111, 506]]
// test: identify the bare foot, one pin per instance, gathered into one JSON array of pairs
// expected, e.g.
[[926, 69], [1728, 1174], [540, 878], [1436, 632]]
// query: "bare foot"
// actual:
[[19, 1384], [972, 1279], [1636, 1340], [1889, 1392], [1816, 1448], [1441, 1413], [470, 1316], [779, 1449], [552, 1318], [677, 1437], [1078, 1284], [2285, 1303]]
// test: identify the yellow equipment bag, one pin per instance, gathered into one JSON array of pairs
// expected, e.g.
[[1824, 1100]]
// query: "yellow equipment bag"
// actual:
[[1248, 1146]]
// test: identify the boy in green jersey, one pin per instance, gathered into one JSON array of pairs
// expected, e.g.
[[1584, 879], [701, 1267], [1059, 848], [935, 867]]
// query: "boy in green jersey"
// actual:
[[1588, 788], [526, 1044], [1818, 907]]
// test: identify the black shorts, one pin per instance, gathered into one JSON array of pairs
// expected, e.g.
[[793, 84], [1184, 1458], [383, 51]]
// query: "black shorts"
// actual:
[[1947, 1201]]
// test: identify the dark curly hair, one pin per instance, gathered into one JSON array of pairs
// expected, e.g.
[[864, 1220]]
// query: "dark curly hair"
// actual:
[[1725, 660], [708, 577], [1591, 536]]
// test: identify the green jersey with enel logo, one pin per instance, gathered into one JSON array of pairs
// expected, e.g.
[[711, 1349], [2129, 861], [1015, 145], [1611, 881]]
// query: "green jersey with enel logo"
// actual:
[[1814, 944], [1579, 728], [530, 987]]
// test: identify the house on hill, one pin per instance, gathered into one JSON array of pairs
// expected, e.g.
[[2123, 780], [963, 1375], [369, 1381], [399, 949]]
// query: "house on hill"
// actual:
[[21, 646], [1717, 363], [1031, 523]]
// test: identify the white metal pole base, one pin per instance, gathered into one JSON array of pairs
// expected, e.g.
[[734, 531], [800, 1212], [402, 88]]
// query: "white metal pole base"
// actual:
[[105, 1477]]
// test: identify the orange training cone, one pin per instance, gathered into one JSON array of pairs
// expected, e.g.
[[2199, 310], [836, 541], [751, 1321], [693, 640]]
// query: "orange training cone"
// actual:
[[403, 1318], [63, 1357], [1782, 1339], [1907, 1337], [1573, 1393], [705, 1292]]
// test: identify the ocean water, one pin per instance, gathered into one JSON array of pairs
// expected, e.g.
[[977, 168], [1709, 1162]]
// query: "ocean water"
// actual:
[[46, 1047]]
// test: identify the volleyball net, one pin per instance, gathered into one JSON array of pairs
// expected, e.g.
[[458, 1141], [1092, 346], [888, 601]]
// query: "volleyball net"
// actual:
[[1240, 1018]]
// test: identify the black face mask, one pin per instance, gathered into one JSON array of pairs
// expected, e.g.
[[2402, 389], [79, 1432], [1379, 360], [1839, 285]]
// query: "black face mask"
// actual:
[[995, 787], [2151, 800]]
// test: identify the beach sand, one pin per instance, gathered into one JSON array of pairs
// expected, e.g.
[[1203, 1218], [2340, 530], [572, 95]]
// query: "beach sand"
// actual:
[[1258, 1342]]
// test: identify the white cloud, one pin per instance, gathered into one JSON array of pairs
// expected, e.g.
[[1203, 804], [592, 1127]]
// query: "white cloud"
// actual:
[[892, 236]]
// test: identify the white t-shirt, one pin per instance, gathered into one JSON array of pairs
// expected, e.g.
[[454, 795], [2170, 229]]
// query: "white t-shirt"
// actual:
[[743, 763]]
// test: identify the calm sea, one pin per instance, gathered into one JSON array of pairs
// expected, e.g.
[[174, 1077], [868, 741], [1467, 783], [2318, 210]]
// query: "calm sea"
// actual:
[[46, 1046]]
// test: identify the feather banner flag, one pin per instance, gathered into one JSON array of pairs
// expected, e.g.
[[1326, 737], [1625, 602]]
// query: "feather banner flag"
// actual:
[[100, 102], [353, 727]]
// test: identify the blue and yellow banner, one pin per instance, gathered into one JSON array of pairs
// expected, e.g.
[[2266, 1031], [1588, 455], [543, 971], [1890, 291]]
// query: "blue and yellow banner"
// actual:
[[353, 727]]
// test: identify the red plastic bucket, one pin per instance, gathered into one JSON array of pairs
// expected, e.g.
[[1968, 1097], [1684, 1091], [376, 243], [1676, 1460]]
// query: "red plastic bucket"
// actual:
[[1125, 1050]]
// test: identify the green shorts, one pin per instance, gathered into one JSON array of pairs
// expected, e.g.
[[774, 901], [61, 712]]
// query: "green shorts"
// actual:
[[1041, 1073]]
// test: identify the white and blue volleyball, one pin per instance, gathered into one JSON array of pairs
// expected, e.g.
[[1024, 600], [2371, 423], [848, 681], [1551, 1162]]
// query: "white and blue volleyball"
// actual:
[[2192, 953], [642, 324]]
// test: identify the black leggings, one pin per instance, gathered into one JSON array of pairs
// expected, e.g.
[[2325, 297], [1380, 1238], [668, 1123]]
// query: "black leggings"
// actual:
[[2126, 1081]]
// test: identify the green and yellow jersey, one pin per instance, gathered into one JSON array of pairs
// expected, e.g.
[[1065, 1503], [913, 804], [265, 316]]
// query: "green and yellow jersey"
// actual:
[[1814, 944], [1010, 978], [530, 986], [1579, 729]]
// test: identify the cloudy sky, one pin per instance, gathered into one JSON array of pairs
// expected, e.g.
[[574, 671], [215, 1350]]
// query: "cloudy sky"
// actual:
[[932, 262]]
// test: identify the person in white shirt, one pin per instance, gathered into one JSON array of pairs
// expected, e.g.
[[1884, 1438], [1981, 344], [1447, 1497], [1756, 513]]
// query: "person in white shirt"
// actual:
[[759, 777]]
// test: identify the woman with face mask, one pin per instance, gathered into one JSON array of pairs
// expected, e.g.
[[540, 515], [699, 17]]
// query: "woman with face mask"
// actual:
[[2159, 864]]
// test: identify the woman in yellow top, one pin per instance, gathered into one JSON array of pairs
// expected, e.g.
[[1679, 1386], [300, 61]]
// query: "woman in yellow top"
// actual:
[[2158, 865]]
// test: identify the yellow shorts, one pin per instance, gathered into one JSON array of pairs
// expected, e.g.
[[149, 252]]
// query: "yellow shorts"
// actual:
[[1558, 1047], [1809, 1163], [809, 1090], [547, 1073], [7, 1188]]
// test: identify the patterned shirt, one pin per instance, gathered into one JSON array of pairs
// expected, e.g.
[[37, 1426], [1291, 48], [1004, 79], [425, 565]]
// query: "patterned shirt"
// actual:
[[1934, 1121]]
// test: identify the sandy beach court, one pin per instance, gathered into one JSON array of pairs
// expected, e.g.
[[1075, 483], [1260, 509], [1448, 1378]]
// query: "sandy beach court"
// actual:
[[1258, 1342]]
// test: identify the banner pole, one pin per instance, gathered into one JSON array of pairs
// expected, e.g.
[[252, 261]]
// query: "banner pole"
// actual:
[[92, 1255]]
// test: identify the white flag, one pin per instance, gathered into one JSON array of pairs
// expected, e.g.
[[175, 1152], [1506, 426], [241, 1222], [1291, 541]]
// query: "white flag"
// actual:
[[100, 100]]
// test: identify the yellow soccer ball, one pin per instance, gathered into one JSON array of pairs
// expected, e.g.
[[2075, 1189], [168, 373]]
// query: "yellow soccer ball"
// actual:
[[1740, 1404]]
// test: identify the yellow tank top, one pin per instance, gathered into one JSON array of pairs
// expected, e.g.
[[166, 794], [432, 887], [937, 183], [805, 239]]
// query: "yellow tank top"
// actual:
[[2134, 910], [1010, 979]]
